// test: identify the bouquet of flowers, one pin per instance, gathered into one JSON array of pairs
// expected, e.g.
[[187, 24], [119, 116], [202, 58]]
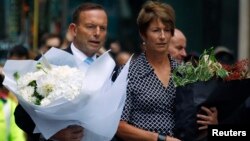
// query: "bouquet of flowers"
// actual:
[[53, 90], [205, 69], [237, 71], [49, 84], [203, 83], [237, 85]]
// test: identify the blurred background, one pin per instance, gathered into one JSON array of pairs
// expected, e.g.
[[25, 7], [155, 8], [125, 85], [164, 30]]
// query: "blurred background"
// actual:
[[205, 23]]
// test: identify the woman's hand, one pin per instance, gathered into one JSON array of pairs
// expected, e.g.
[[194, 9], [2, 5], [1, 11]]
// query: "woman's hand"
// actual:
[[210, 118], [71, 133], [169, 138]]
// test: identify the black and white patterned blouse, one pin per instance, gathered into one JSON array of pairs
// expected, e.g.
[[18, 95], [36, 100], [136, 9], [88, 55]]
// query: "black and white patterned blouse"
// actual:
[[149, 105]]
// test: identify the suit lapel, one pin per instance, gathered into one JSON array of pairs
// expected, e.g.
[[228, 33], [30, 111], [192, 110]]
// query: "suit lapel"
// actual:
[[68, 49]]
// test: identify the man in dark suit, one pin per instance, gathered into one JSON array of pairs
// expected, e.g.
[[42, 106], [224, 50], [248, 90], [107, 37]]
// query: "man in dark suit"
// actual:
[[89, 28]]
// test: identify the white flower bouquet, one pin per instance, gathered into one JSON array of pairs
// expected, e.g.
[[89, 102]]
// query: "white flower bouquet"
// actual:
[[56, 94], [47, 85]]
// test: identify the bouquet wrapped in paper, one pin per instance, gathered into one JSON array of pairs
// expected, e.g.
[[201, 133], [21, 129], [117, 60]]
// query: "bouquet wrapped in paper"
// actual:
[[236, 89], [56, 94], [203, 83]]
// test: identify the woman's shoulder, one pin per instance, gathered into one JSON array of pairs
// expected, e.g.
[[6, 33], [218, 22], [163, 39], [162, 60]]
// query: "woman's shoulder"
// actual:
[[136, 61]]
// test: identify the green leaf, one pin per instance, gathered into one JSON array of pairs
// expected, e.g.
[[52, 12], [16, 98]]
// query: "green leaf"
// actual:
[[33, 83], [206, 68], [39, 66], [16, 76]]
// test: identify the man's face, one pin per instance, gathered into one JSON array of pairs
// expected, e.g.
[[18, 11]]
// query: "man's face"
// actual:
[[90, 31], [177, 48]]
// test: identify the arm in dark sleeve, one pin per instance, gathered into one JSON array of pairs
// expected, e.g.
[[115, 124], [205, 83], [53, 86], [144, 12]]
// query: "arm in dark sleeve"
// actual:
[[24, 121]]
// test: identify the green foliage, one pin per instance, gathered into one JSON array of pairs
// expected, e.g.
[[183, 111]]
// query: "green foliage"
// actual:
[[40, 66], [39, 98], [16, 75], [205, 69]]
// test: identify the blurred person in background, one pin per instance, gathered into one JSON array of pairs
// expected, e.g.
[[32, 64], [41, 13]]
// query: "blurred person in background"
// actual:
[[122, 58], [192, 57], [9, 130], [50, 40], [177, 46], [224, 55], [18, 52], [119, 52], [115, 47], [67, 40]]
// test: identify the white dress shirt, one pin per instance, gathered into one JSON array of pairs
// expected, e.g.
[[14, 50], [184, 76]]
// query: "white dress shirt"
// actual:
[[80, 57]]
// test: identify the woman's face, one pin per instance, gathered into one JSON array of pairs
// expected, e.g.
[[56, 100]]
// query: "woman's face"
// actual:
[[157, 37]]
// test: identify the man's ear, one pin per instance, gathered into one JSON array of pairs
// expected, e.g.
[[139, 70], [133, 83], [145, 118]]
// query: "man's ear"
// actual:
[[72, 29]]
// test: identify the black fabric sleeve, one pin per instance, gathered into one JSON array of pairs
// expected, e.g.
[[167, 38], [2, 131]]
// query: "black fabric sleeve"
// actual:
[[24, 121]]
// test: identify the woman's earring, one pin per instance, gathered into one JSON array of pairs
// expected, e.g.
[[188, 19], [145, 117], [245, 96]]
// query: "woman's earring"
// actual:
[[144, 46]]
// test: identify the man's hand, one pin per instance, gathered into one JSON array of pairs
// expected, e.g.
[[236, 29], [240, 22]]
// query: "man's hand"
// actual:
[[71, 133], [210, 118]]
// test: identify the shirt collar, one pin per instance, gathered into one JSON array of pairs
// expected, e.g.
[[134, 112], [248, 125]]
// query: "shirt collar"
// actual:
[[79, 54]]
